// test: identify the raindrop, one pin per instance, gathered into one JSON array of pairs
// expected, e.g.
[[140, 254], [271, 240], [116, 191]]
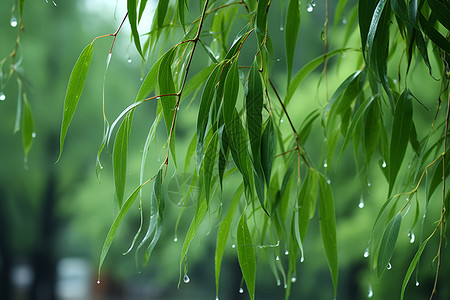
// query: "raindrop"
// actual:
[[389, 266], [412, 237], [277, 258], [281, 28], [217, 56], [186, 278], [129, 60], [370, 292], [217, 298], [325, 164], [13, 21], [344, 21], [278, 282], [2, 96], [175, 239], [417, 283], [233, 246], [366, 252], [368, 183], [285, 285], [302, 259], [281, 120], [383, 165], [33, 135], [241, 290], [98, 281], [311, 5], [361, 202], [286, 252], [293, 279], [395, 81], [328, 181]]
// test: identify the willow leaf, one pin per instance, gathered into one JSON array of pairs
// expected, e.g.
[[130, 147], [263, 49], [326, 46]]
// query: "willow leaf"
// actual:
[[387, 245], [27, 127], [292, 27], [246, 255], [132, 18]]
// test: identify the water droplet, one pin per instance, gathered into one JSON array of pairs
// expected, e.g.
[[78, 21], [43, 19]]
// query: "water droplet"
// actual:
[[217, 298], [395, 81], [286, 252], [285, 285], [241, 290], [370, 292], [2, 96], [293, 279], [417, 283], [281, 120], [278, 282], [98, 281], [277, 258], [108, 60], [344, 21], [281, 28], [175, 239], [302, 259], [368, 183], [329, 181], [13, 21], [412, 237], [361, 202], [33, 135], [383, 165], [310, 8], [389, 266], [233, 246], [129, 60], [366, 252], [186, 278], [325, 164]]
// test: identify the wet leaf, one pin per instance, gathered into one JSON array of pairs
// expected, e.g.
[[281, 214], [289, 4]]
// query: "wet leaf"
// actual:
[[387, 245], [246, 255], [292, 27], [27, 128], [132, 18]]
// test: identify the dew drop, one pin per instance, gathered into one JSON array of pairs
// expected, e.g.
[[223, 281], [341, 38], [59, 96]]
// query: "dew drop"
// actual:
[[278, 282], [281, 120], [281, 28], [98, 281], [328, 181], [344, 21], [285, 285], [186, 278], [33, 135], [2, 96], [217, 298], [293, 279], [129, 60], [310, 6], [277, 258], [233, 246], [302, 259], [370, 292], [366, 252], [368, 183], [175, 239], [417, 283], [325, 164], [286, 252], [389, 266], [383, 165], [412, 237], [241, 290], [361, 202], [13, 21]]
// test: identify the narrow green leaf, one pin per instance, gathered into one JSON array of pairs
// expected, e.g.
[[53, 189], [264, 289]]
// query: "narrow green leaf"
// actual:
[[224, 231], [120, 154], [230, 93], [307, 199], [167, 86], [74, 89], [208, 164], [339, 9], [372, 130], [374, 25], [401, 130], [27, 127], [412, 266], [246, 255], [365, 13], [327, 223], [261, 20], [197, 81], [434, 35], [181, 6], [162, 10], [441, 11], [21, 3], [20, 95], [149, 82], [132, 18], [142, 6], [254, 105], [388, 242], [292, 27], [267, 150], [112, 231]]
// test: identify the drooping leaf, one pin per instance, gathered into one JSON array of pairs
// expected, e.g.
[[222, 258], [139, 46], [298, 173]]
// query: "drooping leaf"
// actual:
[[254, 105], [208, 164], [387, 245], [224, 231], [132, 18], [27, 127], [307, 199], [246, 255], [162, 10], [327, 223], [267, 150], [401, 129], [120, 156], [74, 89], [291, 33], [441, 11]]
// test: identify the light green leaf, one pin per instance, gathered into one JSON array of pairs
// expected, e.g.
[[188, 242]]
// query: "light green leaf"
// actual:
[[224, 231], [401, 129], [74, 89], [291, 33], [27, 127], [112, 231], [132, 18], [327, 223], [231, 91], [246, 255], [120, 154], [162, 10], [307, 199], [388, 242], [149, 82]]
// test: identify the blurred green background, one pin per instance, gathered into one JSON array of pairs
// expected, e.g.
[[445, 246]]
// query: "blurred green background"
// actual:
[[54, 217]]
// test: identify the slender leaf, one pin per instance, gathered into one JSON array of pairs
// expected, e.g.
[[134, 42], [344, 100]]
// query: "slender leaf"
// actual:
[[132, 18], [246, 255], [74, 89], [291, 33], [208, 165], [267, 150], [441, 11], [254, 105], [388, 242], [27, 127], [162, 10]]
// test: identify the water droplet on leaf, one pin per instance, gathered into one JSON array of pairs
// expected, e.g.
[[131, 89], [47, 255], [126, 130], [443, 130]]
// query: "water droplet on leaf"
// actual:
[[286, 252], [383, 165], [329, 181], [344, 21], [389, 266], [33, 135], [293, 279], [285, 285], [2, 96], [302, 259], [186, 278], [325, 164], [281, 28], [361, 202], [98, 281], [277, 258], [233, 246], [241, 290], [370, 292], [129, 60], [108, 60], [278, 282], [175, 239], [13, 21], [412, 237], [366, 252], [368, 183], [417, 283]]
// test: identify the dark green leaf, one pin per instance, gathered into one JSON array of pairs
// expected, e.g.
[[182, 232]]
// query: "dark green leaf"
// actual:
[[434, 35], [254, 105], [162, 10], [132, 18], [307, 199], [291, 33], [208, 164], [267, 150], [74, 89], [441, 11], [246, 255], [388, 242], [27, 127]]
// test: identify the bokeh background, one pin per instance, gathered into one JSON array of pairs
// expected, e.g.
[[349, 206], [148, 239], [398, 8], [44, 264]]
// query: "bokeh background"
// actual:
[[54, 217]]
